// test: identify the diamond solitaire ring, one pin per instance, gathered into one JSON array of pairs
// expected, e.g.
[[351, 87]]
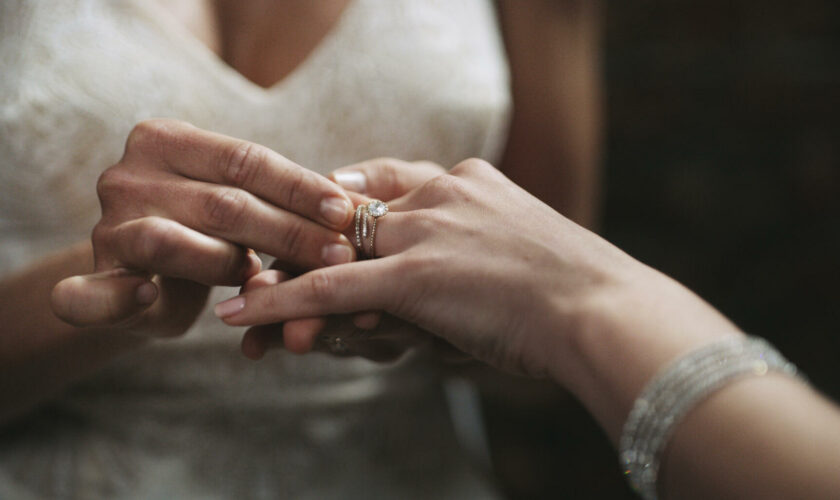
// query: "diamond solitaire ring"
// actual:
[[366, 216]]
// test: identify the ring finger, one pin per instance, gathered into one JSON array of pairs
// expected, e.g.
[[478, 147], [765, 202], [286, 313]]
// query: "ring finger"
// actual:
[[395, 231]]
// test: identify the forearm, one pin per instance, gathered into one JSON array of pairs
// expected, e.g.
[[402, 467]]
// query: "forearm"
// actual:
[[625, 333], [767, 437], [40, 354], [553, 299], [763, 437]]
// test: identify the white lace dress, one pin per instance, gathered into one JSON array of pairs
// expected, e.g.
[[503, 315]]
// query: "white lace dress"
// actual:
[[192, 418]]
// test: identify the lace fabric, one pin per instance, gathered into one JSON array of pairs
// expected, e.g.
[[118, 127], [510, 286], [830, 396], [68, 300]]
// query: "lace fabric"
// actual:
[[408, 79]]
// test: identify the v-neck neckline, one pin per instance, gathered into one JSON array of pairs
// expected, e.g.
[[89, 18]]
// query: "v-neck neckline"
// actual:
[[168, 25]]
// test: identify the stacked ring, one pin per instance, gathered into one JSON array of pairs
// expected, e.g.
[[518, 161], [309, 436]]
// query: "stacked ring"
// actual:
[[366, 217]]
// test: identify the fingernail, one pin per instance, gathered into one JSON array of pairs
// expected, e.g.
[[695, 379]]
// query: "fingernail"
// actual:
[[145, 293], [351, 180], [335, 210], [335, 253], [229, 307], [254, 257]]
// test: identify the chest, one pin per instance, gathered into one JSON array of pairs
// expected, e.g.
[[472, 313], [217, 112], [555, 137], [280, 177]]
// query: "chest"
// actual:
[[414, 80], [263, 40]]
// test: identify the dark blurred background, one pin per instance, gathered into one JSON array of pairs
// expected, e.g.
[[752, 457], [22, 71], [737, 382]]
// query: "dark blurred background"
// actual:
[[722, 169]]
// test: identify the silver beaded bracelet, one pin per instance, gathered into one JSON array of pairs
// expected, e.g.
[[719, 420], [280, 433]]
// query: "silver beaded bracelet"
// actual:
[[675, 390]]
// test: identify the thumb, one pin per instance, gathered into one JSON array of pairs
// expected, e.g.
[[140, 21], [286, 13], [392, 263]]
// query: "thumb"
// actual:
[[385, 178], [104, 298]]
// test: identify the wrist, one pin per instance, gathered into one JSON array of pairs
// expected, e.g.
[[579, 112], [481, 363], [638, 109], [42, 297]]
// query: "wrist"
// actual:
[[626, 331]]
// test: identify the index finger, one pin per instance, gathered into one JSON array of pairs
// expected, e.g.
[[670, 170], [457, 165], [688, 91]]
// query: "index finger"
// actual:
[[211, 157], [358, 286]]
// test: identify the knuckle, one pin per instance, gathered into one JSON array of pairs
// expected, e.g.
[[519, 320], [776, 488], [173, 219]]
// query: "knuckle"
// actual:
[[449, 188], [293, 239], [224, 209], [410, 264], [113, 183], [294, 181], [471, 166], [154, 240], [444, 182], [242, 163], [320, 285], [389, 175], [430, 166], [149, 134], [442, 185], [272, 296]]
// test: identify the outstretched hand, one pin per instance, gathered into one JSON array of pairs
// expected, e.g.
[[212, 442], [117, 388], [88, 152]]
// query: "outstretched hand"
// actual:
[[468, 256], [365, 333]]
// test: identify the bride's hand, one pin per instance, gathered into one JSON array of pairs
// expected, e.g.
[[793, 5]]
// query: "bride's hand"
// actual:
[[365, 334], [181, 211], [469, 256]]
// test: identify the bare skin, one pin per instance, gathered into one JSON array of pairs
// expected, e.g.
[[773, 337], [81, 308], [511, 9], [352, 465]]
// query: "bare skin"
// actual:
[[264, 41], [173, 225], [551, 299], [553, 47], [112, 316], [555, 133]]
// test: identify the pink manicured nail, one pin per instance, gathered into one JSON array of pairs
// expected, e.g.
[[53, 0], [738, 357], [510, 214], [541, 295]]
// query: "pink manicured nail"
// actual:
[[351, 180], [229, 307], [335, 253], [335, 210], [146, 293]]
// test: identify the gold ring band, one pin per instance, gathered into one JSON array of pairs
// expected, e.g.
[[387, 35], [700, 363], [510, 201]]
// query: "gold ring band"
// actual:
[[373, 210]]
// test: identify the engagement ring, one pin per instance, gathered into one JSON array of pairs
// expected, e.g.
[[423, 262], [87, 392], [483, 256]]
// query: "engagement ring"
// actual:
[[373, 210]]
